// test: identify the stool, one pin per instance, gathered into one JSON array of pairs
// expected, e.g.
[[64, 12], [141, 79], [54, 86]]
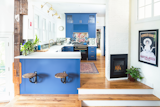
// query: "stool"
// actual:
[[62, 76], [30, 76]]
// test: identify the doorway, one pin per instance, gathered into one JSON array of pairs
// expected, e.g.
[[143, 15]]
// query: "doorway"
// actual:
[[99, 42], [4, 69]]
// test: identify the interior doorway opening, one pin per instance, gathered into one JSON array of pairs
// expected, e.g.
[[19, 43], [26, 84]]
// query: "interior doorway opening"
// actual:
[[99, 42]]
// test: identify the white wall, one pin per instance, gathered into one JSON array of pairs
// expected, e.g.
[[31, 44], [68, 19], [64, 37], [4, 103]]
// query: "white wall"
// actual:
[[6, 15], [117, 29], [61, 22], [150, 73]]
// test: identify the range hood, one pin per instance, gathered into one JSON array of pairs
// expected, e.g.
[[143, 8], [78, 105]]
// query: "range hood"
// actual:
[[80, 28]]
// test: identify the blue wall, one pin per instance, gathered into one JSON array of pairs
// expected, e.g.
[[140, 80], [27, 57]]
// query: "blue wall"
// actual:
[[46, 70]]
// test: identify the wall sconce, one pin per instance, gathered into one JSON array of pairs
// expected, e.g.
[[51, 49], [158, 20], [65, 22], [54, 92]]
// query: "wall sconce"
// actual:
[[50, 9], [59, 17], [55, 14]]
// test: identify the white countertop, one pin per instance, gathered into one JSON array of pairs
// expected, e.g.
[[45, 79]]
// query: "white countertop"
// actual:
[[51, 55]]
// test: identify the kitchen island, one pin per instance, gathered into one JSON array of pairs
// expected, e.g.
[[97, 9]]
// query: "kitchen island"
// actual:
[[47, 64]]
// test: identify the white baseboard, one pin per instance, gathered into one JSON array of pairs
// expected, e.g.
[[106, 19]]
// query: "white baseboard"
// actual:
[[115, 91], [120, 103]]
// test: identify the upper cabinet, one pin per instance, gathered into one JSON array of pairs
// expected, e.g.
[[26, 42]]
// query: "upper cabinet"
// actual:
[[80, 18], [69, 19], [81, 22], [92, 19]]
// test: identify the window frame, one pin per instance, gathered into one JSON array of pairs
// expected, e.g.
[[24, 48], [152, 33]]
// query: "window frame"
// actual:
[[152, 18], [44, 30], [38, 27]]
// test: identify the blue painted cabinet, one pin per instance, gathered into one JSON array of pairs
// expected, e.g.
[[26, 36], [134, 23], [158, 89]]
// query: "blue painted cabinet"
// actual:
[[69, 30], [80, 18], [92, 53], [81, 22], [68, 49], [92, 30]]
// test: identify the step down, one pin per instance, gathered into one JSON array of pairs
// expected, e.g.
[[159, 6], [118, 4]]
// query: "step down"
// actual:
[[119, 100], [115, 91]]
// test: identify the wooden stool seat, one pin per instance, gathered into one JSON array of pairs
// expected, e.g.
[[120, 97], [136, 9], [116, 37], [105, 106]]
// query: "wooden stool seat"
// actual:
[[61, 75], [29, 75]]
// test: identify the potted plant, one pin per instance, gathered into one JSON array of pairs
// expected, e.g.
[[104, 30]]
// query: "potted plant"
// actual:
[[36, 42], [133, 74]]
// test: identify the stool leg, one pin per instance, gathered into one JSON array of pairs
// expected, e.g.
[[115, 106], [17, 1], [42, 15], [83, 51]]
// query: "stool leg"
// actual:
[[63, 80]]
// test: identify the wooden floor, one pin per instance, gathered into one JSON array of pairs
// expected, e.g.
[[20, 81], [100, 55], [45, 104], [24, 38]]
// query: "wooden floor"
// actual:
[[3, 104], [98, 81], [100, 65], [45, 101]]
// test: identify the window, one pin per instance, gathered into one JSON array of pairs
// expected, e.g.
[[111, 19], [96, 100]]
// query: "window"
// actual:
[[53, 31], [36, 26], [49, 30], [148, 8], [44, 30], [156, 7]]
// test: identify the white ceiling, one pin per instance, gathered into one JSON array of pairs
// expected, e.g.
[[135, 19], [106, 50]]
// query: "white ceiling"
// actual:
[[80, 8]]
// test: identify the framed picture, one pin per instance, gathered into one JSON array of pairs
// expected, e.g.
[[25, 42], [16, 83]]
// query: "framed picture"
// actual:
[[148, 47]]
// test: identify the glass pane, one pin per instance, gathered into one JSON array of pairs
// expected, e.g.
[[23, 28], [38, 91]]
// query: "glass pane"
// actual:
[[141, 3], [157, 9], [44, 35], [141, 13], [148, 2], [49, 26], [36, 32], [53, 27], [91, 19], [156, 0], [36, 21], [44, 24], [148, 11], [69, 19], [2, 67]]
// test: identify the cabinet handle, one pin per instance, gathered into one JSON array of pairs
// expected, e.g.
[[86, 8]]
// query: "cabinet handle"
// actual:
[[92, 47], [69, 47], [92, 56], [92, 51]]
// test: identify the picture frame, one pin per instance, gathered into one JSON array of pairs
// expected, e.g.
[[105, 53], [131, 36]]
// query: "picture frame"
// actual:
[[148, 47]]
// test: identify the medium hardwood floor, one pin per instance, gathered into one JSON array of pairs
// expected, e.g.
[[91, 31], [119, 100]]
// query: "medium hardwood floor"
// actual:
[[98, 81], [45, 101], [100, 65]]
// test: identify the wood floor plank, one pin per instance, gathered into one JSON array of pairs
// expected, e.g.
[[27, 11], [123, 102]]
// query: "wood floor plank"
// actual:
[[119, 97]]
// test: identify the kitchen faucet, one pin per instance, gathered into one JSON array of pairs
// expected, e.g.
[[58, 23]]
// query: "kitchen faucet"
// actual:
[[49, 42]]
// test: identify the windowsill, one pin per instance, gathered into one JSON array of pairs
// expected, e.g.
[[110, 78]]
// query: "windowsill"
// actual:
[[148, 19]]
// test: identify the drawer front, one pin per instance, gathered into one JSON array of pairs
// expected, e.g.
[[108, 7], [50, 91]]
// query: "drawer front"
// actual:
[[69, 48], [92, 48], [92, 57], [92, 51]]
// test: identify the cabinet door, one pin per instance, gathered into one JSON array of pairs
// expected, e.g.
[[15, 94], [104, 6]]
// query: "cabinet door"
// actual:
[[69, 30], [92, 30], [76, 18], [92, 19], [69, 18], [84, 18]]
